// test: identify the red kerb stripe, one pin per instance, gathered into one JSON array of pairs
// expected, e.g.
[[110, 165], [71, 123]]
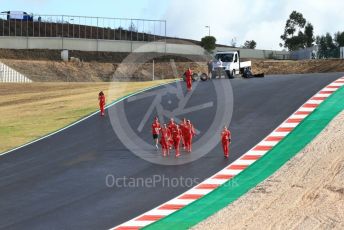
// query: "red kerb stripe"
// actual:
[[318, 98], [294, 120], [207, 186], [128, 228], [222, 176], [284, 129], [303, 112], [310, 105], [262, 148], [237, 167], [190, 196], [325, 91], [274, 138], [150, 218], [250, 157], [171, 206]]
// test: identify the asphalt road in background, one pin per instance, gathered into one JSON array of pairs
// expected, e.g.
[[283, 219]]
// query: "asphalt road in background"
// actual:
[[60, 181]]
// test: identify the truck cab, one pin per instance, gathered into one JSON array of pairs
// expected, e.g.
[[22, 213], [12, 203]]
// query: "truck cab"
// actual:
[[18, 15]]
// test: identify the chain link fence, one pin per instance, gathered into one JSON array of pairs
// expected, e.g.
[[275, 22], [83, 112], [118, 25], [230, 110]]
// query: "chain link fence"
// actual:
[[82, 27]]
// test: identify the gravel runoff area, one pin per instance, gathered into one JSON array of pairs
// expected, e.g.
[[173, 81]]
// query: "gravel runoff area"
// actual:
[[306, 193]]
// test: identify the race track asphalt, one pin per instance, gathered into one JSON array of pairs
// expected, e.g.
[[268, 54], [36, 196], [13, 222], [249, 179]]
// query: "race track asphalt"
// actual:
[[61, 181]]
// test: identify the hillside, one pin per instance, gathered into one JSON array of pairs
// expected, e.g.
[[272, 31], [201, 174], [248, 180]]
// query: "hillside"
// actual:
[[59, 71], [302, 66]]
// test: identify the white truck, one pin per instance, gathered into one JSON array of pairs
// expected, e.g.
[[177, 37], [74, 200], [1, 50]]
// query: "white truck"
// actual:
[[229, 64], [18, 15]]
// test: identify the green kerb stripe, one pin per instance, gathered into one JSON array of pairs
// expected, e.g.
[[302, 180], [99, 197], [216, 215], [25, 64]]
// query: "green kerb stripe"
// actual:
[[304, 133]]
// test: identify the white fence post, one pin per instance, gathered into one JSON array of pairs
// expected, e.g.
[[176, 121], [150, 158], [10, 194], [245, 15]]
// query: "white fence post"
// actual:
[[153, 69]]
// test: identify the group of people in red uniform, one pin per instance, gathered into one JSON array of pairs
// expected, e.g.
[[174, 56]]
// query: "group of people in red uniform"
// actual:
[[172, 135]]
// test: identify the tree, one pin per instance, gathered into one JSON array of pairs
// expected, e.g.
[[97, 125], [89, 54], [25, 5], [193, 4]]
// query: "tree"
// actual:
[[293, 36], [250, 44], [322, 48], [339, 38], [208, 43], [132, 28], [309, 37], [327, 46]]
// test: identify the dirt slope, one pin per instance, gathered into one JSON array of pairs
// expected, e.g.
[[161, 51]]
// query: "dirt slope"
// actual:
[[306, 193], [59, 71], [303, 66]]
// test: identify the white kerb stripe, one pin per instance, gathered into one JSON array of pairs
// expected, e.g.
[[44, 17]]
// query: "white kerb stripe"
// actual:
[[337, 84], [243, 162], [140, 223], [306, 109], [199, 191], [298, 116], [323, 95], [256, 152], [289, 125], [279, 134], [229, 171], [330, 89], [314, 101], [180, 201], [214, 181], [268, 143], [163, 212]]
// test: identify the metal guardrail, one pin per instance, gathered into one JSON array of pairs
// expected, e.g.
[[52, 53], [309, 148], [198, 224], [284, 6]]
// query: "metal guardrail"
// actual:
[[84, 27]]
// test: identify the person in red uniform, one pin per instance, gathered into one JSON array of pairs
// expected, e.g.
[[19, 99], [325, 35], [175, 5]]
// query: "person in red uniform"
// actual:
[[176, 135], [188, 78], [183, 129], [164, 140], [190, 133], [171, 126], [101, 98], [155, 131], [226, 140]]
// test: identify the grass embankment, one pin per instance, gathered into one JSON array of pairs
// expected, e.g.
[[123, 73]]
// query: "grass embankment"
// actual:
[[29, 111]]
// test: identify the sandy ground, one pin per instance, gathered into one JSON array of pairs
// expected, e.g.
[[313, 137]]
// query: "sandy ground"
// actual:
[[306, 193], [29, 111]]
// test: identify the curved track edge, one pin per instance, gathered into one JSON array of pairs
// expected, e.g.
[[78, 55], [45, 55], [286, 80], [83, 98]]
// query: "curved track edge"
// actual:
[[235, 179]]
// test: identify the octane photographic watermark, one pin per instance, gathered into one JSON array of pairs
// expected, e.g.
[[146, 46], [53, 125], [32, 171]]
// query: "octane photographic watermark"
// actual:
[[154, 181], [111, 181], [209, 106]]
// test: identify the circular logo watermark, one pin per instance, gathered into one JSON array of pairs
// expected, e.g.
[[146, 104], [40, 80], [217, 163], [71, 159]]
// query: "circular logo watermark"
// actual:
[[209, 106]]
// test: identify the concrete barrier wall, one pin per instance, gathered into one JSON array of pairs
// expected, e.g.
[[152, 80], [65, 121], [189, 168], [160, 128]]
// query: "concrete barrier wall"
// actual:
[[185, 49], [126, 46], [257, 53]]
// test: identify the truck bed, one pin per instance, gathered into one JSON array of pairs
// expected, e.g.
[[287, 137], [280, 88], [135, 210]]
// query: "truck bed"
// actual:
[[245, 64]]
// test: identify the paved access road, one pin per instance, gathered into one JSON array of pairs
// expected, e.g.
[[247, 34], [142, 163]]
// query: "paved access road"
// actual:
[[60, 182]]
